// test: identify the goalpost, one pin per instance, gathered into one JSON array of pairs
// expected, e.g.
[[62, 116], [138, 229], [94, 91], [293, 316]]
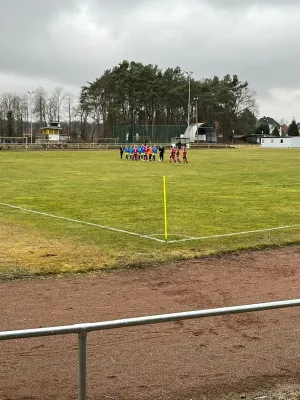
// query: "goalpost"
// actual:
[[7, 142]]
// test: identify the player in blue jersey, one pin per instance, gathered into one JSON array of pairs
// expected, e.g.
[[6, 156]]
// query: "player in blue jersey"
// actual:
[[127, 152], [140, 150], [131, 152], [154, 148]]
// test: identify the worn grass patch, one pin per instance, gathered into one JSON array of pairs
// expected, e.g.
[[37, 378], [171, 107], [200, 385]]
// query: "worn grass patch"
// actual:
[[24, 252], [218, 192]]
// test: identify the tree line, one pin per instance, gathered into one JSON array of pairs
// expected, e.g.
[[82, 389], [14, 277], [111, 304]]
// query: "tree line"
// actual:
[[268, 126], [16, 111], [133, 93]]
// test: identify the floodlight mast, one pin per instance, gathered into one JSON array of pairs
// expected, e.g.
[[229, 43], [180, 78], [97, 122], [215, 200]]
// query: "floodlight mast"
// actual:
[[189, 75], [196, 100], [30, 94]]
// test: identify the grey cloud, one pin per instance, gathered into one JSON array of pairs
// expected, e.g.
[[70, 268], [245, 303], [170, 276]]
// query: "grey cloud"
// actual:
[[23, 38], [247, 3], [40, 40]]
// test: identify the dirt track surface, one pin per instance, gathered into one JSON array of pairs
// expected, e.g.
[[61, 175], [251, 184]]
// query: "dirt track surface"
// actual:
[[199, 359]]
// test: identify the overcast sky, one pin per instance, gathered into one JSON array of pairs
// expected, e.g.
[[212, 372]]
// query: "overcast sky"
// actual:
[[68, 42]]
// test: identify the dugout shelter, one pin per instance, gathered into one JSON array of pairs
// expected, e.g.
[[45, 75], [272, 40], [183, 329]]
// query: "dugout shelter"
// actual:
[[200, 132]]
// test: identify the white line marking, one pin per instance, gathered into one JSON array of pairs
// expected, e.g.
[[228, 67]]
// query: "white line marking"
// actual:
[[151, 237], [172, 234], [82, 222], [250, 183], [236, 233]]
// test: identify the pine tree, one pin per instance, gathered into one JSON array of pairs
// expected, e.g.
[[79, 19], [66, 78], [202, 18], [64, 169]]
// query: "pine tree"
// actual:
[[263, 129], [275, 131], [293, 129]]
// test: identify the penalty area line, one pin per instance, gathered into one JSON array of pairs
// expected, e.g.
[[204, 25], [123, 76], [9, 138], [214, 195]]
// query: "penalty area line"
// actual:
[[81, 222]]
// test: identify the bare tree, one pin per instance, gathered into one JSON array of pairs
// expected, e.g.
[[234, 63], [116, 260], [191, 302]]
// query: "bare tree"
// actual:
[[57, 101], [70, 108], [8, 101], [51, 110], [77, 118], [10, 114], [246, 99], [40, 104]]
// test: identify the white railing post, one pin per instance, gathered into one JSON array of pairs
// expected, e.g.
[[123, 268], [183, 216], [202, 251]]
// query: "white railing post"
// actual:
[[82, 365]]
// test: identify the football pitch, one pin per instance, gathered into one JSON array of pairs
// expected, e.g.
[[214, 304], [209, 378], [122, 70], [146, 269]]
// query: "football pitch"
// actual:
[[81, 211]]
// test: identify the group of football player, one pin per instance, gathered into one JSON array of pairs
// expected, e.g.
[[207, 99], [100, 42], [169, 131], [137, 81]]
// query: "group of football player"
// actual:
[[150, 153], [175, 154]]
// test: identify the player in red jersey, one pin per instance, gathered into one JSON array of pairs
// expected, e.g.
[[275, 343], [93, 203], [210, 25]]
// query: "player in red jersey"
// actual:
[[146, 152], [184, 155], [172, 155], [178, 155], [135, 153]]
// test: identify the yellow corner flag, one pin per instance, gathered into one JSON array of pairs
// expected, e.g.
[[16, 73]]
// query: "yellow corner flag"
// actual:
[[165, 208]]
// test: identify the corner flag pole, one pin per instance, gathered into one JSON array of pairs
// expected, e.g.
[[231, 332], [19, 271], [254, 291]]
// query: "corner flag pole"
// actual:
[[165, 208]]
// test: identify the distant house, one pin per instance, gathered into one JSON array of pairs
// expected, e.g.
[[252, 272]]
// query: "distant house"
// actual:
[[283, 130], [270, 122]]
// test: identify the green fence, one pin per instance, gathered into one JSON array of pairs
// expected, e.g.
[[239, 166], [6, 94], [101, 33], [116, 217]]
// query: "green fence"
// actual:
[[147, 134]]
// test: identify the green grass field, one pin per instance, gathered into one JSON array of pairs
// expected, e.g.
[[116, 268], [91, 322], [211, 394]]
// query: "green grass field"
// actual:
[[218, 192]]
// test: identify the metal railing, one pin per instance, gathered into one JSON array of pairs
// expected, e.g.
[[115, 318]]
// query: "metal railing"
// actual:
[[64, 146], [110, 146], [82, 329]]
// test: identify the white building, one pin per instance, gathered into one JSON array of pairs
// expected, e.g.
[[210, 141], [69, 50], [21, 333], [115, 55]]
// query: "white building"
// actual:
[[200, 132], [281, 142]]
